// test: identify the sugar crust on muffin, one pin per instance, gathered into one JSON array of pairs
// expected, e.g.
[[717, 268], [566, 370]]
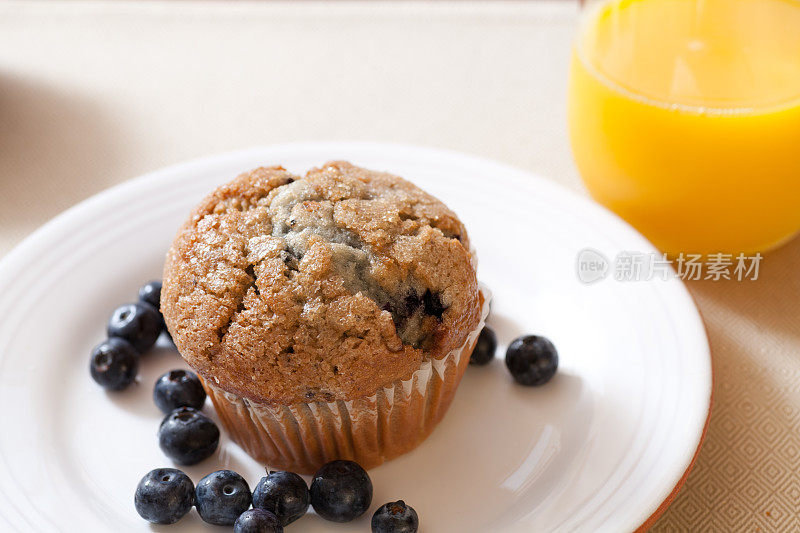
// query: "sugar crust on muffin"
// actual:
[[285, 289]]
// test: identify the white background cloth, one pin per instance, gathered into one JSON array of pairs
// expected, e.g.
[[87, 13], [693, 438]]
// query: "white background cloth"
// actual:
[[92, 94]]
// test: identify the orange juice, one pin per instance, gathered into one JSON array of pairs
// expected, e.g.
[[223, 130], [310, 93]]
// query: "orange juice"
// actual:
[[684, 119]]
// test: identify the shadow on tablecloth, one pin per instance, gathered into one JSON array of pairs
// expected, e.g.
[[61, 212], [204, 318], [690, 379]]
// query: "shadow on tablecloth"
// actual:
[[57, 147]]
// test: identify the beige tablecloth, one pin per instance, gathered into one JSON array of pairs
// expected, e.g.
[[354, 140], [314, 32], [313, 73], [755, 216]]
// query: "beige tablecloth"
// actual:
[[94, 93]]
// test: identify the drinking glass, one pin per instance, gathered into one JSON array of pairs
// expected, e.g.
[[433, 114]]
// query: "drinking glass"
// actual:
[[684, 118]]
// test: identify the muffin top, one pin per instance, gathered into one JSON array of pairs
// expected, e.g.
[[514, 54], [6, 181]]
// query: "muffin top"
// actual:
[[286, 289]]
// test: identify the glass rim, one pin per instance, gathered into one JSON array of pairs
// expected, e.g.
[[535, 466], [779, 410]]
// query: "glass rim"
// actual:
[[589, 9]]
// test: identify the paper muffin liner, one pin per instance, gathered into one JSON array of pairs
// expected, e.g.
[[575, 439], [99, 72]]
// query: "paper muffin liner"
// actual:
[[302, 437]]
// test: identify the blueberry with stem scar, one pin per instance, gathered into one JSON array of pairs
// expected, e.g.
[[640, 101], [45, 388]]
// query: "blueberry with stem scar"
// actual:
[[284, 494], [187, 436], [395, 517], [139, 324], [178, 388], [164, 496], [221, 497], [114, 364]]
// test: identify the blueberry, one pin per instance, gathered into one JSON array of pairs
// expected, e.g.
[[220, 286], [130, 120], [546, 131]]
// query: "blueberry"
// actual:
[[178, 388], [138, 323], [532, 360], [285, 494], [484, 348], [395, 517], [257, 521], [341, 491], [164, 496], [187, 436], [221, 497], [114, 364], [151, 293], [433, 304]]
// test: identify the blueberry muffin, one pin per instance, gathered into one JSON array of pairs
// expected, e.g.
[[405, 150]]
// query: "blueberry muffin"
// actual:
[[330, 316]]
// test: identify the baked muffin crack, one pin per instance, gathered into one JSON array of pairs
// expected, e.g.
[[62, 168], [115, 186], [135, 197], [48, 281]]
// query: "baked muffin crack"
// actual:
[[240, 307], [334, 283]]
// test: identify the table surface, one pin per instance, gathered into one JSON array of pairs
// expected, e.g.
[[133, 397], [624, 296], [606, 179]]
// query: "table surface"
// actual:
[[92, 94]]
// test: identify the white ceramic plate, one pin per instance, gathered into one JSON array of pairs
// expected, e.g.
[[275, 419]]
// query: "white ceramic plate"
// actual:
[[599, 448]]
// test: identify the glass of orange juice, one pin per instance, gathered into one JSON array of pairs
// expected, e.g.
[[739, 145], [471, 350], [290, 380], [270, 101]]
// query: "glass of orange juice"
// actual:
[[684, 118]]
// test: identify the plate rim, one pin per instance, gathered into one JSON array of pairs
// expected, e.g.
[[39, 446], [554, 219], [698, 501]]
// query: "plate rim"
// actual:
[[26, 249]]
